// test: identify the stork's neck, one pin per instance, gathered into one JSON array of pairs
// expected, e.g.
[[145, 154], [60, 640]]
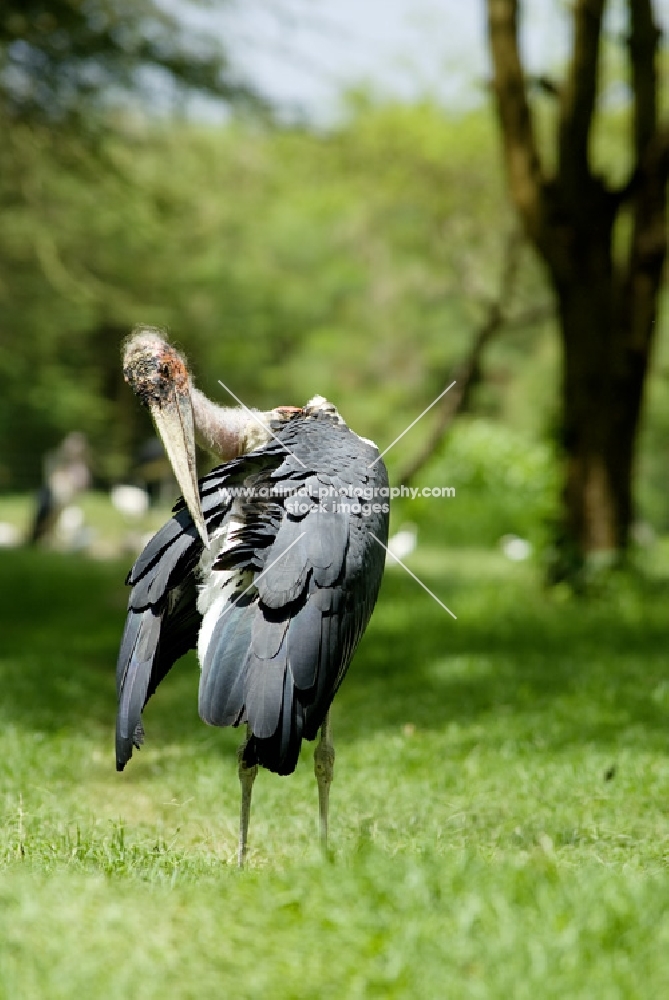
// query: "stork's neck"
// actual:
[[228, 431]]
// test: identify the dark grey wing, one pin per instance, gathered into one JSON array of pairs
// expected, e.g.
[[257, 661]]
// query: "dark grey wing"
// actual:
[[276, 657], [163, 621], [162, 624]]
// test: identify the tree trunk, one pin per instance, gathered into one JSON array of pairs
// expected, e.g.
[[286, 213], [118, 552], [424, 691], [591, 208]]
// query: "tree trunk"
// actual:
[[607, 322], [602, 386], [606, 294], [607, 331]]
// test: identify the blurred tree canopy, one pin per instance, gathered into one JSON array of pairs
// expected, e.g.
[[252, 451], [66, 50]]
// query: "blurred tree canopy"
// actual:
[[58, 58], [359, 262], [73, 77], [599, 224], [354, 263]]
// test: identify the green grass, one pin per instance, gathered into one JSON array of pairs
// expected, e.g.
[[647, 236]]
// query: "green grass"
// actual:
[[500, 811]]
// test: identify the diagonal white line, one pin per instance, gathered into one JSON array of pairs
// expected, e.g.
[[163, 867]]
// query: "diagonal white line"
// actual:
[[407, 429], [264, 427], [266, 570], [419, 582]]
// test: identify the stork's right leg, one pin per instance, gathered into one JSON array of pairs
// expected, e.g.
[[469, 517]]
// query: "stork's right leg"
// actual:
[[247, 775], [324, 757]]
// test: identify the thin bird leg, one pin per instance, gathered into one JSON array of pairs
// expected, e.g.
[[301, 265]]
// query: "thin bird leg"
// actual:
[[324, 757], [247, 775]]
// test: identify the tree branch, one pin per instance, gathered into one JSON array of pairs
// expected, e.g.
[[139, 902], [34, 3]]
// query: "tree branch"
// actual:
[[651, 145], [643, 42], [654, 160], [520, 149], [579, 95], [468, 373]]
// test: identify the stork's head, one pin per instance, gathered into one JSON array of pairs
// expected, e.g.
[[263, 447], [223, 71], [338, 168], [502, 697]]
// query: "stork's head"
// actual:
[[153, 369], [158, 376]]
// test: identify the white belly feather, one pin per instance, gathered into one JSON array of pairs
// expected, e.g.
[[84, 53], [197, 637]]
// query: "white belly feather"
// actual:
[[218, 587]]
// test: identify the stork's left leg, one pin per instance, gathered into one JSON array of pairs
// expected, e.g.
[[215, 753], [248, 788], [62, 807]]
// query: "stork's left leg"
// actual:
[[324, 757], [247, 775]]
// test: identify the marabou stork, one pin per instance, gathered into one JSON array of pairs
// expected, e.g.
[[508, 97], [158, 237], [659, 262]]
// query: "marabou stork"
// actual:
[[271, 567]]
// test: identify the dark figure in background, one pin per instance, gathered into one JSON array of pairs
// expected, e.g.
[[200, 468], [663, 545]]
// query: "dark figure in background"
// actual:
[[66, 473]]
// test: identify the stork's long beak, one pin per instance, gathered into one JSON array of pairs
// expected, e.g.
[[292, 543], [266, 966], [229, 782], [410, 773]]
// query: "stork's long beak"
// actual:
[[173, 418]]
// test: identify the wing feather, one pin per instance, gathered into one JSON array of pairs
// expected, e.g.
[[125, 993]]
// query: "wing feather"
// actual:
[[304, 640], [223, 677], [264, 693], [136, 675]]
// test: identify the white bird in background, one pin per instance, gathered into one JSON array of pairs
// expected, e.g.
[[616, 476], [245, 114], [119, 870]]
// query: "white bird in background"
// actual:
[[514, 548], [132, 501], [403, 542]]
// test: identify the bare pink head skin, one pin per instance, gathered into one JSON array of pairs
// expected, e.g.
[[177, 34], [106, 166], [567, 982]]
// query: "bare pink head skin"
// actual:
[[158, 375]]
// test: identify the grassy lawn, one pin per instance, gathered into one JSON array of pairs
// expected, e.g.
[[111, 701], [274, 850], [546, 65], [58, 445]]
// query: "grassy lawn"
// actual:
[[500, 820]]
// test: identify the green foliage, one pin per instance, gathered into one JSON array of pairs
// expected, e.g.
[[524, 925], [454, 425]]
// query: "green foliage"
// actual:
[[499, 804], [505, 483], [352, 263], [77, 218], [356, 263]]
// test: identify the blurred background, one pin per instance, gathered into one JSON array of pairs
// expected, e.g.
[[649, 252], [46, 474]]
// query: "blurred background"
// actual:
[[366, 199], [311, 197]]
